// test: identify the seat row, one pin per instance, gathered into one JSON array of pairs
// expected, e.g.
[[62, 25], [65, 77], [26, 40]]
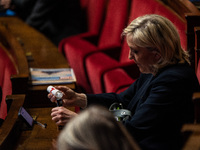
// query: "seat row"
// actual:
[[100, 56]]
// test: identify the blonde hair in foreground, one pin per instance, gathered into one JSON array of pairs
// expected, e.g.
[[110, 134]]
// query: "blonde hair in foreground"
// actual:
[[95, 129], [156, 32]]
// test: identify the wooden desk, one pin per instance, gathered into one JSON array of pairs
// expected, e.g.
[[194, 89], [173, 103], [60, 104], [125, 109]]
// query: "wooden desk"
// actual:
[[38, 138], [40, 52], [14, 134]]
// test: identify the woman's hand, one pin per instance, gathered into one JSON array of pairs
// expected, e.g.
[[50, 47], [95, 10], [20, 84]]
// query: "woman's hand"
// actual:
[[5, 4], [70, 98], [62, 115]]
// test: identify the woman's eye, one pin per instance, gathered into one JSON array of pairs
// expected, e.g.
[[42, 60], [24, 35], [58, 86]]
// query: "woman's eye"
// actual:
[[134, 51]]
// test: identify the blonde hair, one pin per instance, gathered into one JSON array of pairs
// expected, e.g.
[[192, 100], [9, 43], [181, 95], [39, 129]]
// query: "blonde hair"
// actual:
[[95, 129], [156, 32]]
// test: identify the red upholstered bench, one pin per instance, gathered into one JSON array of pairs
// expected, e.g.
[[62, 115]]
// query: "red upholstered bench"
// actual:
[[77, 50], [94, 15], [91, 67]]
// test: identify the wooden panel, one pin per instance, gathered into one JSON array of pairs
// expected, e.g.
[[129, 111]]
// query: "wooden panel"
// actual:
[[182, 7], [41, 51], [10, 129], [189, 12]]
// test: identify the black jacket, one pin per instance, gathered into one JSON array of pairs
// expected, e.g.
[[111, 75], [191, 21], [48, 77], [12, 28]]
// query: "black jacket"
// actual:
[[160, 105]]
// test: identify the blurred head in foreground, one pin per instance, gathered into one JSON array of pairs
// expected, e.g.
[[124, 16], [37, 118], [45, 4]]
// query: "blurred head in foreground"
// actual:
[[95, 129]]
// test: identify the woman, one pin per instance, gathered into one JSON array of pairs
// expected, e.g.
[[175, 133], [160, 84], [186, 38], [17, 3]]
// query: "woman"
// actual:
[[95, 129], [160, 99]]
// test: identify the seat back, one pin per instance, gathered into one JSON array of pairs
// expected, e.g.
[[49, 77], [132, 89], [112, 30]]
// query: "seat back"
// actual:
[[157, 7], [143, 7], [179, 22], [7, 69], [94, 11], [115, 21]]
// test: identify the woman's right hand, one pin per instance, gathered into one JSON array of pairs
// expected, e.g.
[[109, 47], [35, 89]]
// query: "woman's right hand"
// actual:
[[70, 97], [62, 115], [5, 4]]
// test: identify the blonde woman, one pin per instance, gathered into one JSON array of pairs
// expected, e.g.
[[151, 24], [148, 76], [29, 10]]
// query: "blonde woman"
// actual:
[[160, 99]]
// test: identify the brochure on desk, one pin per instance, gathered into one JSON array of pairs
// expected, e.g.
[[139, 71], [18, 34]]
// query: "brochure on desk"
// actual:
[[39, 76]]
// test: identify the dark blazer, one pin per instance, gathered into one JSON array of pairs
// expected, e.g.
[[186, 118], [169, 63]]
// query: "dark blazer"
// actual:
[[160, 105]]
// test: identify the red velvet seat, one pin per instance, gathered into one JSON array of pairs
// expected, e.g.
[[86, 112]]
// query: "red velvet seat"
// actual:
[[77, 50], [7, 69], [99, 65]]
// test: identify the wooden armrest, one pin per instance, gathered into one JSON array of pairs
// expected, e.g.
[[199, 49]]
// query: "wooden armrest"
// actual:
[[196, 96], [10, 129], [191, 136], [196, 100], [182, 7]]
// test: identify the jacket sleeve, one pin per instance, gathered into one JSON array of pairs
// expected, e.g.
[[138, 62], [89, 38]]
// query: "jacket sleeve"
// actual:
[[107, 99], [164, 108]]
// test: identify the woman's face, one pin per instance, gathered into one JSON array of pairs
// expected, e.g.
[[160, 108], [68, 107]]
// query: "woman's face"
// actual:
[[143, 57]]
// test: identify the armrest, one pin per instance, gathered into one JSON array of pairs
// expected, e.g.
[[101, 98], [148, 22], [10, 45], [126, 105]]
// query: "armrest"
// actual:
[[74, 37], [196, 100], [131, 69], [92, 39], [113, 52]]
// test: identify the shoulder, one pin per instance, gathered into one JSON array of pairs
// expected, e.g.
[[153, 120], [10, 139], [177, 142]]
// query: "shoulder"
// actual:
[[178, 70], [181, 74]]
